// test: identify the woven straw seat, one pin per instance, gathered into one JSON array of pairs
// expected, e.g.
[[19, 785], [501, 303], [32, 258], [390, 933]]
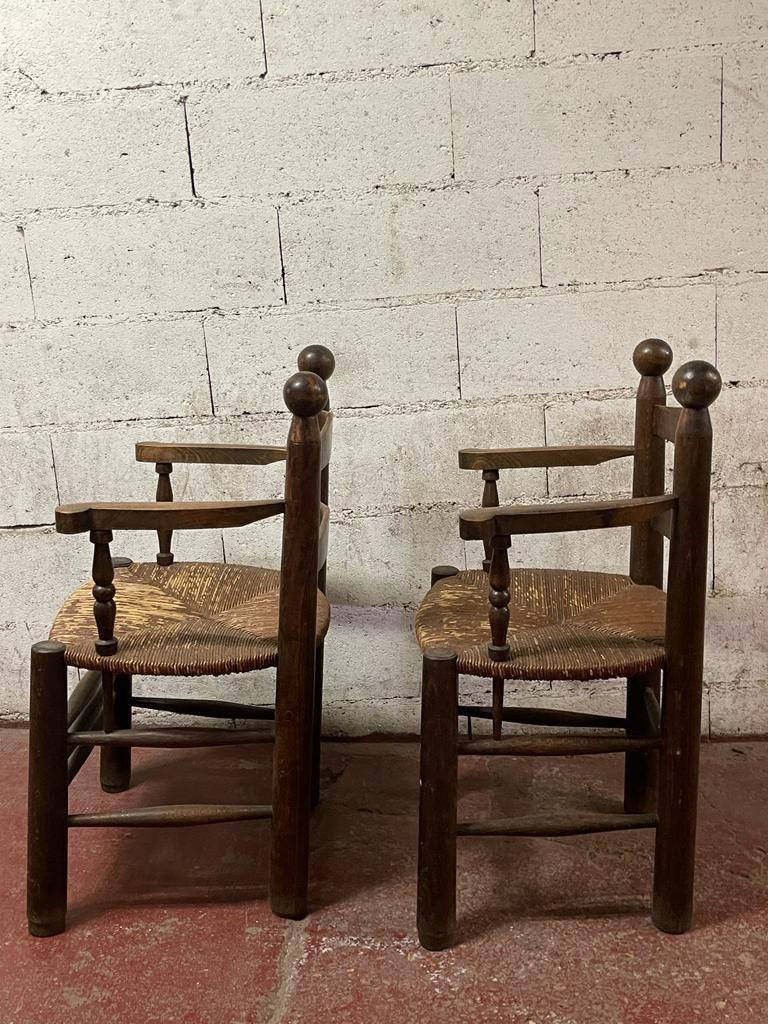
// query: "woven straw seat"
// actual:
[[190, 618], [562, 625]]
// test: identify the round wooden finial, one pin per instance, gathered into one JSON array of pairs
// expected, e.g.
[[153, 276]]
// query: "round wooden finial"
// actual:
[[317, 359], [652, 357], [696, 384], [305, 394]]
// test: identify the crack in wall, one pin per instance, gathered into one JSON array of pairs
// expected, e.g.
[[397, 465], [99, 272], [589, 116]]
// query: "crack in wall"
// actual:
[[399, 71], [263, 40], [282, 258], [20, 229], [208, 368], [190, 163]]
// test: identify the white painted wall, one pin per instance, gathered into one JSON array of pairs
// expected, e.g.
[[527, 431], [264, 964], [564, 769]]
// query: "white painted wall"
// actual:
[[481, 205]]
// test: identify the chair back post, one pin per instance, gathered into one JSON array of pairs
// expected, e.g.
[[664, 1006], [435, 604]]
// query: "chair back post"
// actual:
[[320, 360], [305, 395], [652, 359], [696, 385]]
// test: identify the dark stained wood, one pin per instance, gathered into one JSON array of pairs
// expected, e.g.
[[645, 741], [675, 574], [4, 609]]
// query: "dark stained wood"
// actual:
[[322, 537], [207, 708], [91, 718], [150, 515], [547, 717], [47, 806], [652, 359], [164, 493], [498, 597], [510, 520], [565, 824], [211, 454], [168, 739], [170, 815], [664, 525], [540, 458], [100, 711], [436, 899], [557, 746], [660, 744], [442, 572], [104, 609], [490, 500], [305, 396], [115, 762], [665, 421], [87, 687], [326, 442], [695, 386]]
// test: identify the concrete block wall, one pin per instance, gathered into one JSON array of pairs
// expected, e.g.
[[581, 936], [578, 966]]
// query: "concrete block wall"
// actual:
[[480, 205]]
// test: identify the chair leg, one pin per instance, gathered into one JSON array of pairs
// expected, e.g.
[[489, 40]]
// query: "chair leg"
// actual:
[[436, 901], [678, 797], [115, 763], [292, 783], [47, 806], [317, 726], [641, 770]]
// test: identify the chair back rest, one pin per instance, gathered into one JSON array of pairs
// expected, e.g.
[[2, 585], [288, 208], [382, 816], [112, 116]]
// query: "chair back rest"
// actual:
[[688, 427]]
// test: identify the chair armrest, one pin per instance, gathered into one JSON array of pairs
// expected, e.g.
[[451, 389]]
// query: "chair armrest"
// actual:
[[537, 458], [564, 517], [214, 454], [168, 515]]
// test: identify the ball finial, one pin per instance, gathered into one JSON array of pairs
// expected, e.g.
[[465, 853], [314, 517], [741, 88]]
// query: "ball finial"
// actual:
[[317, 359], [305, 394], [652, 357], [696, 384]]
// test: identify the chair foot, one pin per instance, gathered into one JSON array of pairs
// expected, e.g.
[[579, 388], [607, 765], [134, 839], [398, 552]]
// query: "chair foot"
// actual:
[[436, 900], [47, 807]]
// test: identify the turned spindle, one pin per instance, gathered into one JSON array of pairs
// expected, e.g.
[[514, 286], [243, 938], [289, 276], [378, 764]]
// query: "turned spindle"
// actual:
[[490, 500], [103, 592], [164, 493], [498, 596]]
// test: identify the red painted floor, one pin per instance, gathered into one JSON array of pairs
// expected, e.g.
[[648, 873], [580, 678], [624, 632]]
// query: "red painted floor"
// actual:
[[173, 925]]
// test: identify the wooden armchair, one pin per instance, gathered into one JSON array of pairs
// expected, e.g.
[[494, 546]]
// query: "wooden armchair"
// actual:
[[549, 625], [189, 619]]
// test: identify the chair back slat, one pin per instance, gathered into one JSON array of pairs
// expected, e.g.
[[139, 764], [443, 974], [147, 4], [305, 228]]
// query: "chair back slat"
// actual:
[[326, 440], [322, 536], [665, 420]]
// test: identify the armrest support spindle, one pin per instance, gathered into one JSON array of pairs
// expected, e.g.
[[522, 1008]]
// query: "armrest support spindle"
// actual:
[[164, 493], [498, 595], [490, 500], [104, 609]]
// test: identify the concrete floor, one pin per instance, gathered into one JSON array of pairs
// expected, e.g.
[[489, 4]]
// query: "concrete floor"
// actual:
[[173, 925]]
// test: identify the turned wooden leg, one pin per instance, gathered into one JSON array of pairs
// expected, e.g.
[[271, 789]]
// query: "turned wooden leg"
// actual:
[[436, 902], [47, 808], [317, 726], [115, 764], [678, 798], [641, 770]]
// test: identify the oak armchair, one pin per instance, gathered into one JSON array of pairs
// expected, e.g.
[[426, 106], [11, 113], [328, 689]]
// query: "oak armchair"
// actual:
[[541, 624], [186, 619]]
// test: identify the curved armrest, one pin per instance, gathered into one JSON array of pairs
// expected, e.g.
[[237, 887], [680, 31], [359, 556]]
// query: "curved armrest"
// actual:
[[218, 454], [168, 515], [487, 523], [537, 458]]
